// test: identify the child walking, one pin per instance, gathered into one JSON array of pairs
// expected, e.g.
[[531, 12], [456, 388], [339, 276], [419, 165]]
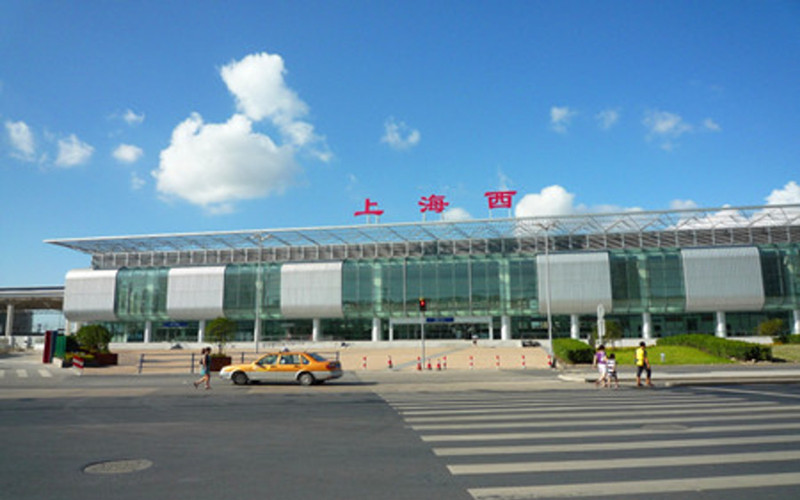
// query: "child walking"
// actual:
[[611, 366]]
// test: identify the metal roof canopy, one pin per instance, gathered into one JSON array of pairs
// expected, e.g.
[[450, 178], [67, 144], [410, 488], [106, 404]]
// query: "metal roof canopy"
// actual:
[[518, 227]]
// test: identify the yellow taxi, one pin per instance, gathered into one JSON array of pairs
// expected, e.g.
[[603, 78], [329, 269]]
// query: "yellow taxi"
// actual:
[[307, 368]]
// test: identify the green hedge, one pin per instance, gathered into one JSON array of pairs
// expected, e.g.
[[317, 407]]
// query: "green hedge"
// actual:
[[724, 348], [572, 351]]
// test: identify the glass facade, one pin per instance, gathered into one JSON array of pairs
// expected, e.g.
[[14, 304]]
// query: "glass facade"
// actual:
[[491, 285]]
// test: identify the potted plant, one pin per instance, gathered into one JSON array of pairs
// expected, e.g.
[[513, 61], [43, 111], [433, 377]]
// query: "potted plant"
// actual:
[[94, 339], [220, 331]]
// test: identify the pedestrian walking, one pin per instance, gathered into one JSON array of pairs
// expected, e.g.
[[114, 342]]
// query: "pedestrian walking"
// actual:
[[611, 364], [642, 365], [601, 362], [205, 369]]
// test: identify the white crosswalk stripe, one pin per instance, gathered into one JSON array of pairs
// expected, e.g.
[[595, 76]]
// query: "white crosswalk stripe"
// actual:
[[45, 373], [551, 446], [22, 373]]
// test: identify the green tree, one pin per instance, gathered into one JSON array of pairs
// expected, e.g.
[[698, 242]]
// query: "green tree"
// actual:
[[93, 338], [221, 331], [613, 333]]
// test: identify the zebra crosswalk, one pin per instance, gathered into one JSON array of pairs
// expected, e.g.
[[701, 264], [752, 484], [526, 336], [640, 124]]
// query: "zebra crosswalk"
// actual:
[[23, 373], [608, 443]]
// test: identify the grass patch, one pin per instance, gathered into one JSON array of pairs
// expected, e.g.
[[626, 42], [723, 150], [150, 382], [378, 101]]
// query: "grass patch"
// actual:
[[786, 352], [673, 355]]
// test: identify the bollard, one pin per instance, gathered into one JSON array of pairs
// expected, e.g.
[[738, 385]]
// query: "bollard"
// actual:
[[524, 366], [444, 365], [438, 365], [141, 362], [471, 363], [663, 357], [429, 364], [389, 364], [497, 361], [364, 363], [419, 364], [77, 363], [191, 365]]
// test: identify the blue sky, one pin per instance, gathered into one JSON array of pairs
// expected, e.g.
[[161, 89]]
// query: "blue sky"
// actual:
[[160, 117]]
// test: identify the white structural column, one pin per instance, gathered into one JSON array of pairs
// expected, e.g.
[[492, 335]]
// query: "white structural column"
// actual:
[[721, 330], [316, 329], [376, 329], [10, 322], [505, 327], [391, 331], [647, 326], [201, 331], [574, 326], [148, 332], [796, 326]]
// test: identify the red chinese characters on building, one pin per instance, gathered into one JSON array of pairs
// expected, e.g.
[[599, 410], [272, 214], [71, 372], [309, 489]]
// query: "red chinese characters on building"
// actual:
[[433, 203], [368, 210], [499, 199]]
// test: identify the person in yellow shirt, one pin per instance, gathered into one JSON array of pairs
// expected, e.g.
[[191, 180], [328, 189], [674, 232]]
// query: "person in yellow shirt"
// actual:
[[642, 365]]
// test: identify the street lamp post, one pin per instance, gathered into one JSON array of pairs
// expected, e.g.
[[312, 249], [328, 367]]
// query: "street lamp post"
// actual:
[[547, 227], [260, 238]]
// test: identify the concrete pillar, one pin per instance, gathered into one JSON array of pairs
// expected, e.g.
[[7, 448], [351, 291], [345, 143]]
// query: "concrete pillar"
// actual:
[[505, 327], [796, 327], [721, 330], [647, 326], [316, 330], [148, 332], [9, 322], [376, 329], [574, 326], [201, 331], [391, 331], [491, 329]]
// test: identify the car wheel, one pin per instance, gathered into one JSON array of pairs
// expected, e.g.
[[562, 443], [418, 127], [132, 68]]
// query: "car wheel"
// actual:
[[305, 378], [239, 378]]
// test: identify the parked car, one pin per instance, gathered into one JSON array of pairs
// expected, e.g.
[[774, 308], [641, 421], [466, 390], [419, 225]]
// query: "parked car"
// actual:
[[304, 367]]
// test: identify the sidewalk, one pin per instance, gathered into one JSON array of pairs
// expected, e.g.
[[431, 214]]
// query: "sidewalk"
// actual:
[[671, 375]]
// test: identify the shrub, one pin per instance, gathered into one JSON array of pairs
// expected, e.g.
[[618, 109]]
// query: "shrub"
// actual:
[[93, 338], [572, 351], [613, 333], [724, 348]]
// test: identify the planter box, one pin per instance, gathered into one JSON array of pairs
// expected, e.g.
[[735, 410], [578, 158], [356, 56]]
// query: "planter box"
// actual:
[[105, 358], [217, 362]]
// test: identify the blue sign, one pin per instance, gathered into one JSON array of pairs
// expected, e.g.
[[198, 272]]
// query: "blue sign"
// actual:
[[439, 320], [175, 324]]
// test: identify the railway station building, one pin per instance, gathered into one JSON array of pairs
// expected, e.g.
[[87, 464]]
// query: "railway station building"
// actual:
[[718, 271]]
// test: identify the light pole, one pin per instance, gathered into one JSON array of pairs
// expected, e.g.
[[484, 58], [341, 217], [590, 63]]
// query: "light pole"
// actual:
[[547, 227], [260, 238]]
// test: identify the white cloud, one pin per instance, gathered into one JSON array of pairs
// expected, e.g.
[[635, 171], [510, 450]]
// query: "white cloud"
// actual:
[[711, 125], [131, 118], [552, 200], [213, 165], [789, 194], [399, 136], [560, 118], [72, 151], [22, 141], [607, 118], [682, 205], [257, 82], [137, 182], [127, 153], [665, 127], [216, 164], [456, 214]]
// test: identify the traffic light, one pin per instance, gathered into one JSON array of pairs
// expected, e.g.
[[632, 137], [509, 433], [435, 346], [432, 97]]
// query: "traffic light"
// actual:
[[422, 305]]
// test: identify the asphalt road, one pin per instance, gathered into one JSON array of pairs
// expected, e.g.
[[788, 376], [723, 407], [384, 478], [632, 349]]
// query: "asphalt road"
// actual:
[[497, 435]]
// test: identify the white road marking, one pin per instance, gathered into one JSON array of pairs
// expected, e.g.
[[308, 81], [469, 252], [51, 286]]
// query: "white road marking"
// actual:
[[45, 373], [511, 436], [617, 488], [751, 391], [625, 463], [613, 446], [22, 373]]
